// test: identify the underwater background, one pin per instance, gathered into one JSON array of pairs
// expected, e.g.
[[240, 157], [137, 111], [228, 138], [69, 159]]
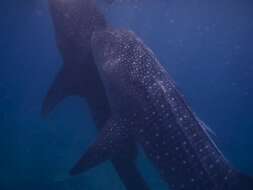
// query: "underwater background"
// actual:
[[206, 46]]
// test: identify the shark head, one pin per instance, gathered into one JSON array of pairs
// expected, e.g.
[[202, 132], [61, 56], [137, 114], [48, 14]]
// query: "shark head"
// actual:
[[74, 22], [113, 51], [73, 10]]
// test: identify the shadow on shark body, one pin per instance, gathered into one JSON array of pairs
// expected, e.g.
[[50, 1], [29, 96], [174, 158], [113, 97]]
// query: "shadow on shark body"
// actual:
[[147, 107], [74, 22]]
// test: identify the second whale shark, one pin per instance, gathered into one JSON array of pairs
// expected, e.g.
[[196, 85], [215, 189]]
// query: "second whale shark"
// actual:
[[74, 22]]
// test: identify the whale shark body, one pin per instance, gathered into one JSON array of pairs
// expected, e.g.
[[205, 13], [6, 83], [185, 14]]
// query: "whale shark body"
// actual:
[[146, 106], [74, 22]]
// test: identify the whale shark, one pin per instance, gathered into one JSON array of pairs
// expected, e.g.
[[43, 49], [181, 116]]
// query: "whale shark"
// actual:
[[74, 22], [147, 106]]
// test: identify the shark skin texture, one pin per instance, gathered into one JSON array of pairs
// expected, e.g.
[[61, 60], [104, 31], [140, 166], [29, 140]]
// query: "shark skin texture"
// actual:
[[74, 22], [146, 106]]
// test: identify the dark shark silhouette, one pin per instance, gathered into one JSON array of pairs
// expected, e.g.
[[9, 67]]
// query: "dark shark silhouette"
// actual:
[[74, 22], [146, 105]]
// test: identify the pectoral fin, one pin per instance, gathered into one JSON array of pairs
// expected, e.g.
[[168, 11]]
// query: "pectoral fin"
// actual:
[[112, 140], [63, 86]]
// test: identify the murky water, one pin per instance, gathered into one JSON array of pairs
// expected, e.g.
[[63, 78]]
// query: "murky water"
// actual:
[[205, 45]]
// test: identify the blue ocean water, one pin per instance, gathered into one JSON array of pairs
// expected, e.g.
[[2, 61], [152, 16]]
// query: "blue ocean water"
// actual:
[[206, 45]]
